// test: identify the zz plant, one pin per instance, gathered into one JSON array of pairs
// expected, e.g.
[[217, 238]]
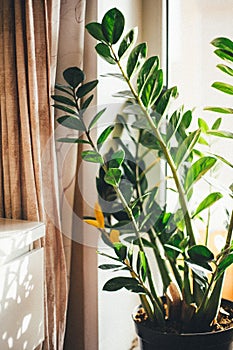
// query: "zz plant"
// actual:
[[129, 215]]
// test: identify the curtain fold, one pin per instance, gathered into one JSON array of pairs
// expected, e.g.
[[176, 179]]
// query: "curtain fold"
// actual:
[[28, 185]]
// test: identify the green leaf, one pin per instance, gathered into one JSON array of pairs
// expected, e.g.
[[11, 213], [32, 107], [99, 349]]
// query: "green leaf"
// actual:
[[197, 170], [149, 140], [220, 110], [217, 123], [152, 88], [127, 42], [226, 262], [109, 266], [173, 124], [225, 69], [64, 88], [224, 87], [220, 133], [73, 76], [113, 176], [150, 65], [86, 88], [164, 100], [92, 156], [203, 125], [129, 283], [72, 140], [207, 202], [86, 103], [104, 135], [113, 25], [66, 109], [186, 147], [142, 262], [96, 118], [117, 159], [104, 51], [223, 43], [200, 253], [120, 250], [63, 99], [71, 122], [137, 55], [224, 160], [115, 75], [224, 55], [95, 30]]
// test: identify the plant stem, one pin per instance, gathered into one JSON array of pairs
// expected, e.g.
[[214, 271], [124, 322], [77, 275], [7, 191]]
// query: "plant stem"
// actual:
[[166, 153]]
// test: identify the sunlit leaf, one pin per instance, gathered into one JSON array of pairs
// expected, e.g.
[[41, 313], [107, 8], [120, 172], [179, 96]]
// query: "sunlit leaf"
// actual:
[[92, 156], [113, 176], [224, 110], [150, 65], [223, 43], [104, 135], [221, 133], [198, 169], [226, 262], [186, 147], [225, 69], [217, 123], [224, 55], [203, 125], [152, 88], [113, 25], [207, 202], [127, 42], [224, 87], [136, 57]]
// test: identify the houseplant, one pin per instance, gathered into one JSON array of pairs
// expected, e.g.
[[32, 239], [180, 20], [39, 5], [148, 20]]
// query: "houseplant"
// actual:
[[129, 215]]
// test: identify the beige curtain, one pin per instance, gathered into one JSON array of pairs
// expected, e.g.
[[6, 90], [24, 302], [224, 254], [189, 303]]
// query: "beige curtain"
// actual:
[[28, 45]]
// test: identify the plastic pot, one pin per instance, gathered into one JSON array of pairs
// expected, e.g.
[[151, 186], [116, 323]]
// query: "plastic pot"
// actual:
[[151, 339]]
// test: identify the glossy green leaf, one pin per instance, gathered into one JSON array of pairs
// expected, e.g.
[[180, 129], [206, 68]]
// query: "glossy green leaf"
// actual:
[[226, 262], [104, 51], [113, 176], [86, 103], [109, 266], [200, 253], [223, 43], [186, 147], [203, 125], [120, 250], [173, 124], [104, 135], [136, 57], [207, 202], [72, 140], [152, 88], [86, 88], [217, 123], [165, 99], [224, 55], [95, 30], [129, 283], [73, 76], [142, 264], [96, 118], [92, 156], [71, 122], [149, 67], [224, 110], [127, 42], [63, 99], [198, 169], [224, 87], [221, 133], [225, 69], [66, 109], [113, 25], [117, 159]]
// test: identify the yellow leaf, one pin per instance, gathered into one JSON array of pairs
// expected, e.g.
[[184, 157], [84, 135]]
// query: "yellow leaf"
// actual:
[[99, 215], [114, 236], [92, 222]]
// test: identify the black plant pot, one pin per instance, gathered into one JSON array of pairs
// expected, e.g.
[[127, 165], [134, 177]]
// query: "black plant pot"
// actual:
[[151, 339]]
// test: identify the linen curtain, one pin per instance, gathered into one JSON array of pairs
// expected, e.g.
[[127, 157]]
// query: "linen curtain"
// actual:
[[28, 188]]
